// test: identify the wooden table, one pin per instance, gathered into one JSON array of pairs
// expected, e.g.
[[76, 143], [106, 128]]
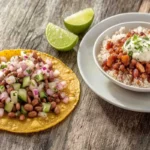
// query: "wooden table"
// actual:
[[95, 124]]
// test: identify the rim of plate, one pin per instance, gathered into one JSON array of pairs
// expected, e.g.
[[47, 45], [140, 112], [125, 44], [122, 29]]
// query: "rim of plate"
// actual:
[[82, 74]]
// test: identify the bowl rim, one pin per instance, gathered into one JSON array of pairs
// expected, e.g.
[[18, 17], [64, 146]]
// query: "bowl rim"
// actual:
[[123, 85]]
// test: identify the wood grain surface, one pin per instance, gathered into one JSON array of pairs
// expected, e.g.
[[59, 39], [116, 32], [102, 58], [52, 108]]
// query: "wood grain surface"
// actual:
[[95, 124]]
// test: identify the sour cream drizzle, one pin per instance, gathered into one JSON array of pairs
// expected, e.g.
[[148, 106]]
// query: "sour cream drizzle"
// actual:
[[138, 47]]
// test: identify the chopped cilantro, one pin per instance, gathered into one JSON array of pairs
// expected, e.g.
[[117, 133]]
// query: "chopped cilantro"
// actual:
[[28, 71], [130, 53], [127, 42], [3, 66], [135, 37], [146, 38], [1, 87]]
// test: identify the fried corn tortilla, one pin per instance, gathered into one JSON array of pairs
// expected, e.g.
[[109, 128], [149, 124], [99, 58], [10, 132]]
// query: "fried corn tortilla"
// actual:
[[38, 124]]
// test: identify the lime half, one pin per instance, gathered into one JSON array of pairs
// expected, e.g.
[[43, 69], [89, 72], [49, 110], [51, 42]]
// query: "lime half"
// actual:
[[59, 38], [80, 21]]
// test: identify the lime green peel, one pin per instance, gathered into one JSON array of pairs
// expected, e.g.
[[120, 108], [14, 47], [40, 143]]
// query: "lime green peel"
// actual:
[[59, 38], [80, 21]]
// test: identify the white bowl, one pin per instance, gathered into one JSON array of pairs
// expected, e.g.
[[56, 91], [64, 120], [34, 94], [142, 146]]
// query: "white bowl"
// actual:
[[109, 32]]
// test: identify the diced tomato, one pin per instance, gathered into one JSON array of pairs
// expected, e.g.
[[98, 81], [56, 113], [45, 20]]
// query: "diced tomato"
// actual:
[[109, 45], [125, 59]]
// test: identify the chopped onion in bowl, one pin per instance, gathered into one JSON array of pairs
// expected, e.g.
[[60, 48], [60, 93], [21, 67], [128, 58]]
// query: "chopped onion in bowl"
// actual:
[[1, 112]]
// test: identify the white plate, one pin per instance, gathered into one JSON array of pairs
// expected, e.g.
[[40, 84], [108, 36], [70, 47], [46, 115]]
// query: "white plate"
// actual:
[[97, 81]]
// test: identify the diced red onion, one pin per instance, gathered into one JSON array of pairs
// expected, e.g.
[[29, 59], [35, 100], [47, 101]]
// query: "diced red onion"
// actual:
[[63, 83], [11, 67], [10, 80], [35, 93], [51, 75], [65, 100], [26, 57], [23, 65], [18, 65], [49, 92], [44, 68], [1, 74], [42, 114], [56, 73], [1, 112], [19, 70], [62, 95], [39, 71], [49, 62], [60, 87], [4, 95], [7, 100]]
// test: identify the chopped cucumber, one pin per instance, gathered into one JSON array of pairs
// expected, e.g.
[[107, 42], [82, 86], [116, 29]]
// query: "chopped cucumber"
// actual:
[[23, 111], [26, 81], [22, 94], [16, 86], [46, 107], [33, 84], [9, 106], [2, 88], [39, 77], [14, 96], [43, 94]]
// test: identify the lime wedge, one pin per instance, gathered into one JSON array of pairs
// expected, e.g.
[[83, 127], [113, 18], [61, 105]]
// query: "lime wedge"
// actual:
[[80, 21], [59, 38]]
